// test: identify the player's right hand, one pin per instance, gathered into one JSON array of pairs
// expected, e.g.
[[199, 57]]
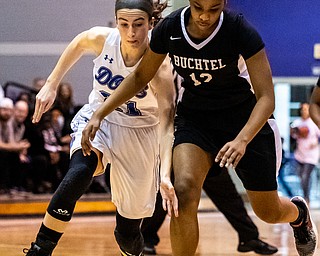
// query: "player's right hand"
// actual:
[[44, 101]]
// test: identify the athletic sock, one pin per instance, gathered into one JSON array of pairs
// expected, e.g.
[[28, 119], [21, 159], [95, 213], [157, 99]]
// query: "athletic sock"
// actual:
[[300, 218], [48, 234]]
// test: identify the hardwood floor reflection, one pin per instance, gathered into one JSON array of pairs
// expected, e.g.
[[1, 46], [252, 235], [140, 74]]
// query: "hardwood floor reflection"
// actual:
[[93, 236]]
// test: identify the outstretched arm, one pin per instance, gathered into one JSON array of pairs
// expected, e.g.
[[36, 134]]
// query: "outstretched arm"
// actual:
[[165, 93], [90, 41], [261, 79], [128, 88]]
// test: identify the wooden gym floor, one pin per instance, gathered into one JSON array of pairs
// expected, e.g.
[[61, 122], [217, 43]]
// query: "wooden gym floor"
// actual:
[[93, 236]]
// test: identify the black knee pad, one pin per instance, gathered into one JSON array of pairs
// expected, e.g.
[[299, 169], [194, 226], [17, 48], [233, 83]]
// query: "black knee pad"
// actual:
[[128, 234], [75, 183]]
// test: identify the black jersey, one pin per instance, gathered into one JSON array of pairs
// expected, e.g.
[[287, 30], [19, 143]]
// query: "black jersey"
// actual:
[[213, 78], [318, 83]]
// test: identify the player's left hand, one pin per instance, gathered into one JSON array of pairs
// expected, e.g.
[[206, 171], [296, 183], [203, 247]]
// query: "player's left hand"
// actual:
[[231, 153], [169, 197], [88, 134]]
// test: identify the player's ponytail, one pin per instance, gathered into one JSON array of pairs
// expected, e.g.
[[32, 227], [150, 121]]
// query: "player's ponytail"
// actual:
[[159, 6]]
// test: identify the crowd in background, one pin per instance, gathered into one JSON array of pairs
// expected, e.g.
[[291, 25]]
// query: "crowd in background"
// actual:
[[35, 157]]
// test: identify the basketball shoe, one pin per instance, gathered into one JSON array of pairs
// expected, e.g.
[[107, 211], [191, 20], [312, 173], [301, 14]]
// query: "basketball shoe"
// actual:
[[149, 249], [40, 248], [258, 246], [124, 253], [306, 233]]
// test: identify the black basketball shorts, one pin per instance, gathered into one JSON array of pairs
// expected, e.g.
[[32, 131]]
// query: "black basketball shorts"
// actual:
[[258, 167]]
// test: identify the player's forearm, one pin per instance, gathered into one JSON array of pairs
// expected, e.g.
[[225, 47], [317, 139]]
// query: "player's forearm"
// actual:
[[314, 108], [132, 84], [128, 88], [69, 57], [166, 118], [259, 116], [315, 113], [166, 141], [166, 155]]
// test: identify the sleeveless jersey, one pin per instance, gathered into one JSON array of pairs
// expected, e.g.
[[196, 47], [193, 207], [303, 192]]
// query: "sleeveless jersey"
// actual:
[[213, 70], [108, 72]]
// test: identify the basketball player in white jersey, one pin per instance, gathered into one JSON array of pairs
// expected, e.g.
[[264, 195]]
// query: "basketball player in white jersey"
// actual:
[[128, 138], [224, 116]]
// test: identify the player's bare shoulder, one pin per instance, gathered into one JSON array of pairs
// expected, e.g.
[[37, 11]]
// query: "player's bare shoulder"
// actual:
[[96, 37], [98, 32]]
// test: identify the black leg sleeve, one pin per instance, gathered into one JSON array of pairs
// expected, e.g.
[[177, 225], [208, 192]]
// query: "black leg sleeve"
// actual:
[[128, 234], [75, 183], [150, 226]]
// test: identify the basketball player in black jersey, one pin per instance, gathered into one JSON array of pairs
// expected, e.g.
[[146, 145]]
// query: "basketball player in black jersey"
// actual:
[[220, 188], [224, 116]]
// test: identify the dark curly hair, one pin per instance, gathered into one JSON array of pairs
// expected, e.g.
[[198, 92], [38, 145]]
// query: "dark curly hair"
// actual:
[[158, 9], [153, 8]]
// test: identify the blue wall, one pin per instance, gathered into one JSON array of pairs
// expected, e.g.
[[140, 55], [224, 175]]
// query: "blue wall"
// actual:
[[290, 28]]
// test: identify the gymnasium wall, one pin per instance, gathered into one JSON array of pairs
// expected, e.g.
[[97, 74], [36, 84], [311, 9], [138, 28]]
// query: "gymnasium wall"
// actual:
[[33, 34], [290, 28]]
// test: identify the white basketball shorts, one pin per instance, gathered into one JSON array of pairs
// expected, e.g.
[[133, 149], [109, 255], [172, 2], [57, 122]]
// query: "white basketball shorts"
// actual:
[[134, 157]]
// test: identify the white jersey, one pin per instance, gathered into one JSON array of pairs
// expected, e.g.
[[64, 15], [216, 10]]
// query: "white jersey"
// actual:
[[127, 138], [108, 72]]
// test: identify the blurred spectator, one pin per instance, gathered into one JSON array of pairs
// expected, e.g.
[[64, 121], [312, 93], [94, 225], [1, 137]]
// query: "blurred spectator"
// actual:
[[10, 149], [62, 112], [306, 154], [57, 151], [1, 92], [39, 157], [36, 166], [58, 124], [282, 174], [38, 83], [21, 110], [65, 103], [57, 121], [25, 96]]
